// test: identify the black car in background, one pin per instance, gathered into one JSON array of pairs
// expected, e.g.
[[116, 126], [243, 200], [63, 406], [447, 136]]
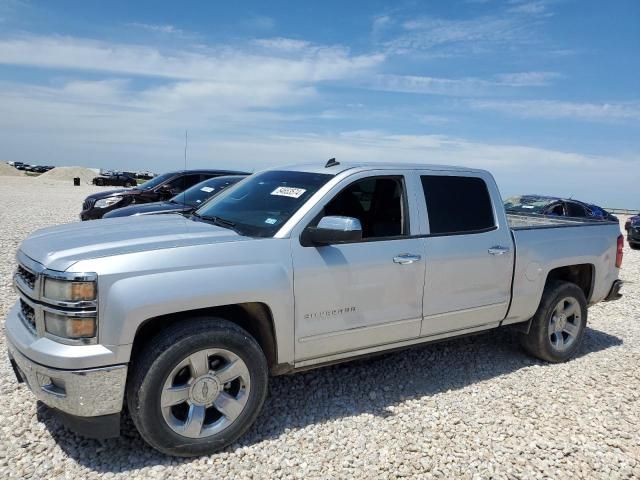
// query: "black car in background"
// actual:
[[185, 202], [633, 231], [117, 180], [563, 207], [159, 188]]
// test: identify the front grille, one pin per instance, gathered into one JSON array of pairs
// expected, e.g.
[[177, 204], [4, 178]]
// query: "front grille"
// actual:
[[88, 203], [27, 277], [28, 314]]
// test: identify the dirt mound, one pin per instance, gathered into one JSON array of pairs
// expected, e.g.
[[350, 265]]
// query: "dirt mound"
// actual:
[[69, 173], [9, 171]]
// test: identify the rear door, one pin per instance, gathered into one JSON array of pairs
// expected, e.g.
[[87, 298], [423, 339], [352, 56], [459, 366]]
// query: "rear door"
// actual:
[[468, 250]]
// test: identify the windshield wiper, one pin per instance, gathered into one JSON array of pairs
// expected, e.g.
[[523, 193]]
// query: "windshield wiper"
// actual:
[[221, 222]]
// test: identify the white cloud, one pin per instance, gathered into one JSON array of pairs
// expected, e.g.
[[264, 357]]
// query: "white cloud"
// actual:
[[560, 109], [283, 44], [528, 79], [150, 27], [312, 63], [509, 29], [470, 86]]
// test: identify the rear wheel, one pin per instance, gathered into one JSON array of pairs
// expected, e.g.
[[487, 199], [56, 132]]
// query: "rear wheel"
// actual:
[[99, 182], [197, 387], [557, 328]]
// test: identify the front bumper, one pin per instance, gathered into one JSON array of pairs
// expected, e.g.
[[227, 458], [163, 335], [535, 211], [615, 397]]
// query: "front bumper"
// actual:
[[83, 393]]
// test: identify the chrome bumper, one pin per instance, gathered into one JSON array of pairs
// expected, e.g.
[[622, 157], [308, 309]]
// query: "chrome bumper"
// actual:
[[83, 393]]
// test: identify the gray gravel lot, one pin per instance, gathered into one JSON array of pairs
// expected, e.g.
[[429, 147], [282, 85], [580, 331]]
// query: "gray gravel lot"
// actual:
[[470, 408]]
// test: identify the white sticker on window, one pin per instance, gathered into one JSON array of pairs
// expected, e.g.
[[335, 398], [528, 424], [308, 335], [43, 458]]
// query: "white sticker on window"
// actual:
[[207, 189], [288, 192], [270, 221], [527, 206]]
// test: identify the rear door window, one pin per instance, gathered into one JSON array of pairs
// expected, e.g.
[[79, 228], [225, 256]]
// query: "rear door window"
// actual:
[[457, 205]]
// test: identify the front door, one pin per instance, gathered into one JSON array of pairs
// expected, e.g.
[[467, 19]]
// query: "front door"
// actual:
[[362, 294]]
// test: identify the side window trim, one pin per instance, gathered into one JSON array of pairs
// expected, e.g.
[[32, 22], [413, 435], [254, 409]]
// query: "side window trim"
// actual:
[[405, 220], [495, 222]]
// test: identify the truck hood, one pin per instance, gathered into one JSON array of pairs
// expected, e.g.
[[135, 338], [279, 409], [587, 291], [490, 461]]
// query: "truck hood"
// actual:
[[57, 248]]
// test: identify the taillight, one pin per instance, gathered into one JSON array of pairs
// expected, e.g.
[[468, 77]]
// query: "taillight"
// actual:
[[619, 251]]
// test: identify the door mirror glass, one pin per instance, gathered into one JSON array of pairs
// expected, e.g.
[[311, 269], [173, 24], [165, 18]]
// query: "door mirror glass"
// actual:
[[334, 229]]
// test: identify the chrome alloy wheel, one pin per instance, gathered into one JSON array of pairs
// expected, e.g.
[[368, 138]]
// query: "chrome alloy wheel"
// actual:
[[205, 393], [564, 324]]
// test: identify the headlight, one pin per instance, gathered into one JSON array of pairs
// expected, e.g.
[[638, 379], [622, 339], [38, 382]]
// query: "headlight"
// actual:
[[107, 202], [69, 291], [69, 327]]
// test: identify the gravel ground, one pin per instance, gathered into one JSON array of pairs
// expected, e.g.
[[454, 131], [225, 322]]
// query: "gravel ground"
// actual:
[[468, 408]]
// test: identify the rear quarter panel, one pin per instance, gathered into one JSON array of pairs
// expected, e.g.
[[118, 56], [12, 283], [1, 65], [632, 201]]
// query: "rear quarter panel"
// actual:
[[540, 250]]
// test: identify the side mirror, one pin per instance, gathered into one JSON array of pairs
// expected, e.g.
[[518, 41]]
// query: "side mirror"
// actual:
[[333, 229]]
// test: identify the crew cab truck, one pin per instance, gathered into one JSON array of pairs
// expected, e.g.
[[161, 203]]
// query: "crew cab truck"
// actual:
[[183, 319]]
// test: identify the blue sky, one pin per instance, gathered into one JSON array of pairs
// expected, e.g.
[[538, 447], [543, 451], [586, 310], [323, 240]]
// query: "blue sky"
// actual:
[[544, 93]]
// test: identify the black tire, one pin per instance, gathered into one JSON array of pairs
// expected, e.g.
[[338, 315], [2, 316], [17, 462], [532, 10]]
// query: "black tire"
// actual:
[[100, 182], [634, 246], [130, 184], [167, 349], [538, 341]]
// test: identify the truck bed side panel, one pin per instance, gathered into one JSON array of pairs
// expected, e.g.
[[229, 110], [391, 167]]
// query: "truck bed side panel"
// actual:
[[540, 250]]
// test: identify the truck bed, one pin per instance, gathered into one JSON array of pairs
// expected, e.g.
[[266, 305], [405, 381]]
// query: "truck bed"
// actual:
[[518, 221]]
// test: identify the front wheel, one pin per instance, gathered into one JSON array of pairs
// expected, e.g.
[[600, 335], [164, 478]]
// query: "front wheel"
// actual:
[[197, 387], [557, 328]]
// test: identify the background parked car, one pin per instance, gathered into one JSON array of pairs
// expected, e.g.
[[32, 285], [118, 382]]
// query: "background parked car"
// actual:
[[635, 218], [563, 207], [159, 188], [633, 231], [185, 202], [117, 179]]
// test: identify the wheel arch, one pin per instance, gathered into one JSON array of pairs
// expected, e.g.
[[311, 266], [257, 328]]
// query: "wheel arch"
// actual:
[[582, 275], [254, 317]]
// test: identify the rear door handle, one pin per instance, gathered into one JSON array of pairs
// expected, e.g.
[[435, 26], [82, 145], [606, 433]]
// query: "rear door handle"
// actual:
[[406, 258], [498, 250]]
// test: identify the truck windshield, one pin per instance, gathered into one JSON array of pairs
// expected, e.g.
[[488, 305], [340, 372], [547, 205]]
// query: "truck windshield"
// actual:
[[261, 204]]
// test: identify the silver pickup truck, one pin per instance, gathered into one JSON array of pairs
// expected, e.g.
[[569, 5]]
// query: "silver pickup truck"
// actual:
[[182, 319]]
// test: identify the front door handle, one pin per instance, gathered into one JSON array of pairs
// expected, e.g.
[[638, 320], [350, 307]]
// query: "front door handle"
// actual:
[[498, 250], [406, 258]]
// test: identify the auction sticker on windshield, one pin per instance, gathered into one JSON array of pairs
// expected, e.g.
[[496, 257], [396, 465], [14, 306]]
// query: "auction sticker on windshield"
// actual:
[[207, 189], [292, 192]]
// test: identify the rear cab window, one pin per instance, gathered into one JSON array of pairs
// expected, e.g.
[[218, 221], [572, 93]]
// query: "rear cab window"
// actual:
[[457, 205]]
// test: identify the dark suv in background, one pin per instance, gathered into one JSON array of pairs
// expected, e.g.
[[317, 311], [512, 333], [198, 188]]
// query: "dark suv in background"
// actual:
[[186, 202], [159, 188]]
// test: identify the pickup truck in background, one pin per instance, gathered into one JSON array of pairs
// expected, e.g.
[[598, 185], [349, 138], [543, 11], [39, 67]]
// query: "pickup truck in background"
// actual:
[[184, 318]]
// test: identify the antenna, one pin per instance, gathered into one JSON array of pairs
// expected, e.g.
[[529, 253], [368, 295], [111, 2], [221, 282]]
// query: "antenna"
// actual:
[[331, 163], [184, 178], [186, 142]]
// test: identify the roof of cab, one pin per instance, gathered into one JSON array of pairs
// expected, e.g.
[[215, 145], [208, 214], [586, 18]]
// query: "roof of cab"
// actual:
[[363, 166]]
